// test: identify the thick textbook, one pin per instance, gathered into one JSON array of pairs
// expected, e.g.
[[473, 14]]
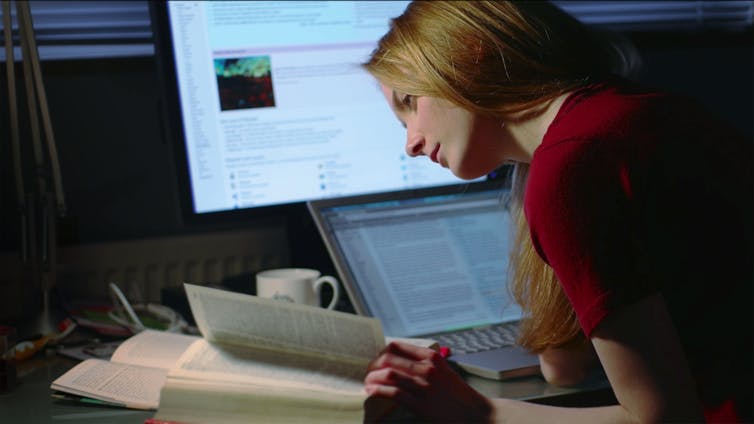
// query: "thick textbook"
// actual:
[[258, 360], [269, 361]]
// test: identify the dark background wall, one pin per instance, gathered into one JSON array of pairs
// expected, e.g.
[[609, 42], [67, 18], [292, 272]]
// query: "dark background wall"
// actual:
[[117, 167]]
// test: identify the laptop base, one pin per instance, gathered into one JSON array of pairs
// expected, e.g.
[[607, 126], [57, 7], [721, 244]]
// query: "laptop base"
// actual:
[[499, 364]]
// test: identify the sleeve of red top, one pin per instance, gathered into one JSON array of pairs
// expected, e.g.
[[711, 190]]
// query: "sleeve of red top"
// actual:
[[578, 205]]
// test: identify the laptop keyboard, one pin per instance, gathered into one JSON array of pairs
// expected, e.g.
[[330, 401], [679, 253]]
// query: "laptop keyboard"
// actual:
[[479, 339]]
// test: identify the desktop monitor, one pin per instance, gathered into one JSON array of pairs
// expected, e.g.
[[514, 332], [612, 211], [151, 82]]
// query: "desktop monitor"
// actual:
[[267, 104]]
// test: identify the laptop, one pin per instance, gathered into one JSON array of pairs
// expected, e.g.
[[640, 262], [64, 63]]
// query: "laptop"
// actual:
[[432, 263]]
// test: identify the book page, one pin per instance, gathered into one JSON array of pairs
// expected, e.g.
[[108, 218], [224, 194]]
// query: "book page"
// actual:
[[150, 348], [416, 341], [234, 318], [219, 403], [261, 367], [131, 386]]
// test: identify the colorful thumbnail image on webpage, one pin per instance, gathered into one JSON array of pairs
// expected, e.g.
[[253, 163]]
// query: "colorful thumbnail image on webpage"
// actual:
[[244, 83]]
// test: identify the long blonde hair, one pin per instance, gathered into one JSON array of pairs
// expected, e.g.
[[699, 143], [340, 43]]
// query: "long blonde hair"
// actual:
[[490, 57], [550, 320], [506, 60]]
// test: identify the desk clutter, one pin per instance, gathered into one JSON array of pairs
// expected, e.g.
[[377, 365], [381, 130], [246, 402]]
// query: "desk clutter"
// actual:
[[247, 358], [88, 330], [257, 359]]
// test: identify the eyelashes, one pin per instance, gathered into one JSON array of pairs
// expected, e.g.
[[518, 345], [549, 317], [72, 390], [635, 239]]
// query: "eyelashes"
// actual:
[[408, 101], [403, 102]]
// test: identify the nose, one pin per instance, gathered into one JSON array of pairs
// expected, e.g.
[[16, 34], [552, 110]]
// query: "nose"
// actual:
[[414, 145]]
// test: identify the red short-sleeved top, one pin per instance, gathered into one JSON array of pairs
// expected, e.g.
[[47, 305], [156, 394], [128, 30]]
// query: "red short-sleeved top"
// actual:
[[634, 192]]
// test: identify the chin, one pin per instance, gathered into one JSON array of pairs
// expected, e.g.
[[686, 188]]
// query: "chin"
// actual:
[[468, 174], [472, 169]]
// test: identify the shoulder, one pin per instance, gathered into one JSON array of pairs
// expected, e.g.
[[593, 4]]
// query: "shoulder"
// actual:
[[601, 132], [591, 139], [582, 179], [613, 109]]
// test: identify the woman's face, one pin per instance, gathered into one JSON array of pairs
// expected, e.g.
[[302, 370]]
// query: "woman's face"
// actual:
[[468, 144]]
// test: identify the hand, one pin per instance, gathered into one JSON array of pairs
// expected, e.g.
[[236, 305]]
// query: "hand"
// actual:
[[421, 381]]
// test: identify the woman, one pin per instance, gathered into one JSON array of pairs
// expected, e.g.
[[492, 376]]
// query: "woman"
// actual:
[[634, 215]]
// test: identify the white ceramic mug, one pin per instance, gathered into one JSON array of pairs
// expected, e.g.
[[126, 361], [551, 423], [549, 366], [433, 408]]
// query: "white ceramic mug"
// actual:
[[298, 285]]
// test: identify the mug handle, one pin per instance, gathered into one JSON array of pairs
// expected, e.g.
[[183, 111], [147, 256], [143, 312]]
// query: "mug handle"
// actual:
[[335, 289]]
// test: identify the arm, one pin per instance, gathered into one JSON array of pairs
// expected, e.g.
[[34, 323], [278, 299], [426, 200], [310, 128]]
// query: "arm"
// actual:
[[567, 366], [637, 346]]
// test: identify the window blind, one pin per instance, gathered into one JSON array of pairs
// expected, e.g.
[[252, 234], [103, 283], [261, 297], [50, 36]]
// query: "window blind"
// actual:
[[662, 15], [88, 29], [94, 29]]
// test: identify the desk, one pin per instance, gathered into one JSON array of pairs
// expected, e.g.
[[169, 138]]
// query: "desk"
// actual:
[[30, 401]]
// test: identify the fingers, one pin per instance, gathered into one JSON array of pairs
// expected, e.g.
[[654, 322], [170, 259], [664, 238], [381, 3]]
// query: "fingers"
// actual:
[[411, 351], [414, 384], [401, 397], [409, 366], [388, 391], [407, 358], [422, 382], [403, 373]]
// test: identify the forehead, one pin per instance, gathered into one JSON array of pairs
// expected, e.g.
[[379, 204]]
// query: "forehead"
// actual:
[[386, 91], [389, 94], [392, 97]]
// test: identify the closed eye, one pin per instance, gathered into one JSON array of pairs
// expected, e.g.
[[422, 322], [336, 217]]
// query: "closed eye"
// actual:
[[404, 101]]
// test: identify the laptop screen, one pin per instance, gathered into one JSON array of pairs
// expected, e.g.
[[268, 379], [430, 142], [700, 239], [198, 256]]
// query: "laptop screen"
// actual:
[[423, 263]]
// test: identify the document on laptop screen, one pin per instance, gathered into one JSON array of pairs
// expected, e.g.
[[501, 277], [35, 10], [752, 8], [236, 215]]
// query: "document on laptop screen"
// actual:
[[438, 266]]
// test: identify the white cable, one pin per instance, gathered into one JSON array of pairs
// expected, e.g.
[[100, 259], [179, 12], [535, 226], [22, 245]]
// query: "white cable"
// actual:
[[126, 305], [174, 321]]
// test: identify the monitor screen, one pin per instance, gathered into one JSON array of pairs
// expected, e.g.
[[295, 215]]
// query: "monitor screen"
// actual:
[[269, 105]]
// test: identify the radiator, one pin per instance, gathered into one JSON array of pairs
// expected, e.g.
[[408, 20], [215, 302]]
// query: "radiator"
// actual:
[[143, 267]]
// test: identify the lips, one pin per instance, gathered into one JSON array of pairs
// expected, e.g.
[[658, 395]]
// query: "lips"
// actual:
[[433, 156]]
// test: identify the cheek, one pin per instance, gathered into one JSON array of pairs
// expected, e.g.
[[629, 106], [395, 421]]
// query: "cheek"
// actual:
[[480, 154], [473, 167]]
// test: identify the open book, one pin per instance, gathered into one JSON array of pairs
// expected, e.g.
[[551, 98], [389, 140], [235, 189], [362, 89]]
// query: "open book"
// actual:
[[134, 375], [259, 360], [269, 361]]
